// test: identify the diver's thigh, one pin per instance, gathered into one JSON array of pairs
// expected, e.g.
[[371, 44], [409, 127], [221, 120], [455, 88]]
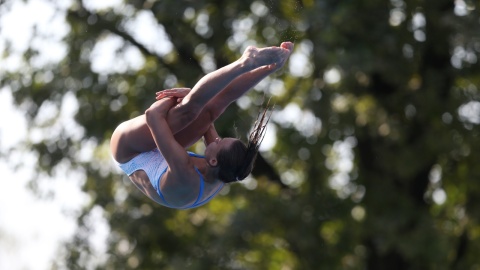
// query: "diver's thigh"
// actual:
[[131, 138]]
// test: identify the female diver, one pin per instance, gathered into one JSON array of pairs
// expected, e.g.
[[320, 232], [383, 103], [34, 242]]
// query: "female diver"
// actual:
[[150, 148]]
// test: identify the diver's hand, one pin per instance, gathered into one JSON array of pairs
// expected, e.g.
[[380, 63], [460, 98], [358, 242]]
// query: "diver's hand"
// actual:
[[178, 93]]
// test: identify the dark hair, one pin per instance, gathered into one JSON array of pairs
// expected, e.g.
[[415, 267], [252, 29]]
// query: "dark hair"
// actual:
[[236, 162]]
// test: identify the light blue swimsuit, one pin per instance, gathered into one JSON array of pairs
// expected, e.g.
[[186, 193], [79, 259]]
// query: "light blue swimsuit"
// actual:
[[155, 165]]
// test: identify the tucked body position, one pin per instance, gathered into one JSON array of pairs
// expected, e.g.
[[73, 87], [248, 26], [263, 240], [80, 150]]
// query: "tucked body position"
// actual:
[[151, 148]]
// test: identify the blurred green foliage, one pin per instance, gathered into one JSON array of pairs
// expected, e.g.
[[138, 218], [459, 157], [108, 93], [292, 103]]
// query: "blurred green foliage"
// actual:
[[375, 164]]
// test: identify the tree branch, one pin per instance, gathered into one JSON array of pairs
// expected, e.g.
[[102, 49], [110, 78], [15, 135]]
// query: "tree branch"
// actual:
[[82, 14]]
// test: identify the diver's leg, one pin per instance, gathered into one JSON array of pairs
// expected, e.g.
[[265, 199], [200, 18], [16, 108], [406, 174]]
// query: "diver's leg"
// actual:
[[217, 105], [245, 82], [194, 103]]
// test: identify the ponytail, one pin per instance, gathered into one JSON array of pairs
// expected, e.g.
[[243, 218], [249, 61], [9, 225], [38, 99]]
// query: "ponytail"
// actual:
[[237, 162]]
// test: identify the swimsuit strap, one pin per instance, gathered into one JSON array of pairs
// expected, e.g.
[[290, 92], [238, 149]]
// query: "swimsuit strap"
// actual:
[[202, 186], [195, 155], [198, 202]]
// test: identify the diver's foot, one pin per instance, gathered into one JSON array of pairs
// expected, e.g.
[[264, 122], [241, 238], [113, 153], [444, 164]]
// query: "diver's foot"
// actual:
[[254, 57]]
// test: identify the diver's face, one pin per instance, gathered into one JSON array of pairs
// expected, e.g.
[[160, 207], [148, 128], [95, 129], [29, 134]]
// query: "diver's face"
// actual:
[[213, 148]]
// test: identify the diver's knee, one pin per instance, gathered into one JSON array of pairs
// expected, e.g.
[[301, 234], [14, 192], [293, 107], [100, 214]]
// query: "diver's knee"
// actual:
[[213, 111]]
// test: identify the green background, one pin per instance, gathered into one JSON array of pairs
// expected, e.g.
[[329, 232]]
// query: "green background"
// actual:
[[377, 168]]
